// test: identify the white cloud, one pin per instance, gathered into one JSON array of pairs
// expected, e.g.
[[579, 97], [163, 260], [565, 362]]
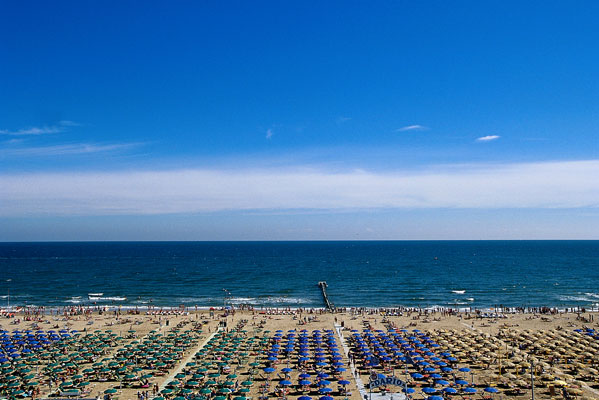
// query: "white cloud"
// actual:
[[534, 185], [32, 131], [269, 133], [44, 130], [65, 149], [487, 138], [412, 128]]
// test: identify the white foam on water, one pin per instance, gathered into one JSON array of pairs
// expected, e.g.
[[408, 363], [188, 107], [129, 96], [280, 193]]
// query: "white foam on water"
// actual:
[[107, 298], [74, 299], [458, 291], [577, 298], [270, 300]]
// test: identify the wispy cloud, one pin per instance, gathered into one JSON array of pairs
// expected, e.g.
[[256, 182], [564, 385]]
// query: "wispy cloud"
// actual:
[[412, 128], [269, 133], [66, 122], [342, 119], [532, 185], [488, 138], [43, 130], [65, 149]]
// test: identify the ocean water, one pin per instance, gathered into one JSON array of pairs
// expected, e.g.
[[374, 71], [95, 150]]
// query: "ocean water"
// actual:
[[369, 274]]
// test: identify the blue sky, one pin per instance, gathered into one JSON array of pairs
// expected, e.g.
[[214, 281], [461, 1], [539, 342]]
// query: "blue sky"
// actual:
[[307, 120]]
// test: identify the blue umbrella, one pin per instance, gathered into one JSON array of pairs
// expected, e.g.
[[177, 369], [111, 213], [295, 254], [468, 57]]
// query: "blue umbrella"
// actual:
[[326, 398], [304, 398], [491, 390], [429, 390], [442, 382], [325, 390], [469, 390], [461, 382], [450, 390], [464, 369], [408, 390], [269, 370], [435, 398], [285, 382], [417, 376], [343, 382]]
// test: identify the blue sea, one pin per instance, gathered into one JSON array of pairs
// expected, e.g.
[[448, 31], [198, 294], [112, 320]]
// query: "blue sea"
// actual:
[[460, 274]]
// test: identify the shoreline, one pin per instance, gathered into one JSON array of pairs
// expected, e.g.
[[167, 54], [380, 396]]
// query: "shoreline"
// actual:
[[262, 308]]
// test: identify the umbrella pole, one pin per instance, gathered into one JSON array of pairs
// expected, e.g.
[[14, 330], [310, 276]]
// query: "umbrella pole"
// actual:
[[532, 380]]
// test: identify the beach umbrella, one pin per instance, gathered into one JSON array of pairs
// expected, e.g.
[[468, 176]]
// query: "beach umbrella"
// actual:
[[110, 391], [491, 390], [469, 390]]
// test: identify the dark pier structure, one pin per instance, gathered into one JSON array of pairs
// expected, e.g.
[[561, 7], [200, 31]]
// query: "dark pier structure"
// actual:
[[323, 287]]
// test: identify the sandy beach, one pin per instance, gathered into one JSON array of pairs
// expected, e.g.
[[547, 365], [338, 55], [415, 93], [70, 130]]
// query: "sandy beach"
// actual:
[[488, 356]]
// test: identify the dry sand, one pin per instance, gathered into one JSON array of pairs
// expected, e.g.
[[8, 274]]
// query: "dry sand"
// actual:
[[490, 344]]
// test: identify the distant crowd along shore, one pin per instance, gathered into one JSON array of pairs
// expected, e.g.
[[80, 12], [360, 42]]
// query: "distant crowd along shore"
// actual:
[[37, 313]]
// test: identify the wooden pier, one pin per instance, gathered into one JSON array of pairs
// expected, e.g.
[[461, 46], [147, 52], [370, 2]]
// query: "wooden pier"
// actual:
[[323, 287]]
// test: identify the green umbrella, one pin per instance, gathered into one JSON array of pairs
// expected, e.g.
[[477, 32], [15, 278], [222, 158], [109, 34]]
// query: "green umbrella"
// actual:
[[110, 391]]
